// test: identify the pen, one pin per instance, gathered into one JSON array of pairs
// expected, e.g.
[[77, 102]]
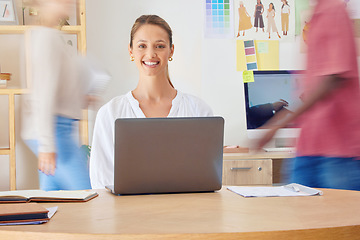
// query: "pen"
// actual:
[[296, 188], [293, 188], [5, 10]]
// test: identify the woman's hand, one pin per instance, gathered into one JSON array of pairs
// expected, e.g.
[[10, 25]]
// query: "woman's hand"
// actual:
[[280, 104], [47, 162]]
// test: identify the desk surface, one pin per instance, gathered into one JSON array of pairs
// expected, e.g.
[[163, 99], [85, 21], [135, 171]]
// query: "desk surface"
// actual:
[[218, 215], [258, 155]]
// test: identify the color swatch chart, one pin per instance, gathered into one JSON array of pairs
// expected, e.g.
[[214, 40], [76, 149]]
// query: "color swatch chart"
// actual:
[[250, 55], [219, 19]]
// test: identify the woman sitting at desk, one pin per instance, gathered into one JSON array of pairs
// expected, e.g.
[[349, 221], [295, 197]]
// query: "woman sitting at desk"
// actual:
[[150, 48]]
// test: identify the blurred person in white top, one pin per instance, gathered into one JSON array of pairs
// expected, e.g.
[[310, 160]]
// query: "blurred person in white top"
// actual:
[[61, 85], [151, 49]]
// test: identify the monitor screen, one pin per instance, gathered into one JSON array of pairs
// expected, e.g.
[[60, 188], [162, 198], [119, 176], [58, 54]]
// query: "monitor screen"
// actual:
[[270, 93]]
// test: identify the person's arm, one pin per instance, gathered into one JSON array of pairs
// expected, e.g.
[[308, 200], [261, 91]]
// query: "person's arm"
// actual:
[[328, 84], [102, 150], [46, 71]]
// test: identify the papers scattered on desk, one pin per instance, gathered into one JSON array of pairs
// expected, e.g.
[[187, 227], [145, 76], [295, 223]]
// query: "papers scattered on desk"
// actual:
[[46, 196], [289, 190], [281, 149]]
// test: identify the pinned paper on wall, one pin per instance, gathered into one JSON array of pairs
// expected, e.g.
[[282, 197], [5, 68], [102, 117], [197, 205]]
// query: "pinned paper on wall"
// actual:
[[299, 8], [240, 56], [353, 7], [248, 76], [305, 26], [250, 55], [267, 54], [262, 47], [265, 19], [219, 22], [262, 53]]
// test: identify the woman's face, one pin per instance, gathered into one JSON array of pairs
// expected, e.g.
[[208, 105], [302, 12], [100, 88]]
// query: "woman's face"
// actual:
[[151, 50]]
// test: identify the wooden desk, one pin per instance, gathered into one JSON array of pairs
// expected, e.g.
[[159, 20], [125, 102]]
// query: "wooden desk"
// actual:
[[220, 215], [260, 168]]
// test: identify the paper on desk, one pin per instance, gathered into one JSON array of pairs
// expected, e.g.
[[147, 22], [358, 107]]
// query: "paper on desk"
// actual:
[[51, 213], [289, 190]]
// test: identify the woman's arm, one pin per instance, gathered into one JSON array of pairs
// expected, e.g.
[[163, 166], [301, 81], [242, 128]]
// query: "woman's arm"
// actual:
[[46, 64], [102, 150]]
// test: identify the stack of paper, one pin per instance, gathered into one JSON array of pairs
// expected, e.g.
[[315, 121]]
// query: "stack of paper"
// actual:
[[292, 189]]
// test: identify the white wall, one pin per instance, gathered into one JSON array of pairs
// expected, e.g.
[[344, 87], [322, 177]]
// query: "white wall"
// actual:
[[204, 67]]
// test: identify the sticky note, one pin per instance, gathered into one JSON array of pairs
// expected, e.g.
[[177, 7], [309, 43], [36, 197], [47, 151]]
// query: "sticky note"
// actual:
[[267, 54], [263, 47], [248, 76]]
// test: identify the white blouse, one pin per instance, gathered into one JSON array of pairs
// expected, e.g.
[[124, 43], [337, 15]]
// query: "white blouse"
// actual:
[[126, 106], [285, 9]]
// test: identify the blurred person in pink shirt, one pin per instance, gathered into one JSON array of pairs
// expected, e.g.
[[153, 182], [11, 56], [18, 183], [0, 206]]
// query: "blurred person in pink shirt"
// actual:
[[328, 149]]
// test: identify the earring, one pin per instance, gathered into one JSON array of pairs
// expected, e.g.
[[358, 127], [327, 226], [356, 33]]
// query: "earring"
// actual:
[[170, 59], [132, 58]]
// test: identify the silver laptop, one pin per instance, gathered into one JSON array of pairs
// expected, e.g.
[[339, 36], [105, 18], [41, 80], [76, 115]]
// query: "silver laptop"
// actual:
[[168, 155]]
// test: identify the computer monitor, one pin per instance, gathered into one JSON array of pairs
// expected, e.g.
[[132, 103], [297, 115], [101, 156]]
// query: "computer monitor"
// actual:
[[270, 93]]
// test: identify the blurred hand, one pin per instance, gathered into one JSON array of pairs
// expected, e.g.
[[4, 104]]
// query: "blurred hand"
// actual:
[[47, 163], [280, 104], [91, 99]]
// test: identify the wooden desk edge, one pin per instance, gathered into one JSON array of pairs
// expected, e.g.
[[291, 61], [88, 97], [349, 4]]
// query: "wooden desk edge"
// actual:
[[259, 155], [345, 232]]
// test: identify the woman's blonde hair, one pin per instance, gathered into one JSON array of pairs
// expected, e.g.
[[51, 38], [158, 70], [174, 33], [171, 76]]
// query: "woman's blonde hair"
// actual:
[[154, 20]]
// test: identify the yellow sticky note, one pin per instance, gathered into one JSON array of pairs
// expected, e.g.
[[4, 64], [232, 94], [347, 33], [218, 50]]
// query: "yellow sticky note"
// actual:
[[267, 54], [248, 76], [240, 56]]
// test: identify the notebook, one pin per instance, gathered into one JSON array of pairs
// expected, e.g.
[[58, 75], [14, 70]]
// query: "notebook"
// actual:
[[22, 212], [168, 155]]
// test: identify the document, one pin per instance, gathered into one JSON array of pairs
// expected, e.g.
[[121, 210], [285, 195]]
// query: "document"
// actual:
[[289, 190], [25, 214], [46, 196]]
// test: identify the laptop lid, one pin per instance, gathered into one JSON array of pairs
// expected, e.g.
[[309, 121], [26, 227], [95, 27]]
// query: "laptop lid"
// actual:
[[168, 155]]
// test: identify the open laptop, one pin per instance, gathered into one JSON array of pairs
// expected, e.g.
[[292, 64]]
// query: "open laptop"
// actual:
[[168, 155]]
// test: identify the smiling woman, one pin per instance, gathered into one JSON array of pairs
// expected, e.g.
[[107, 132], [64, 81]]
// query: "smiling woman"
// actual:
[[151, 48], [158, 29]]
